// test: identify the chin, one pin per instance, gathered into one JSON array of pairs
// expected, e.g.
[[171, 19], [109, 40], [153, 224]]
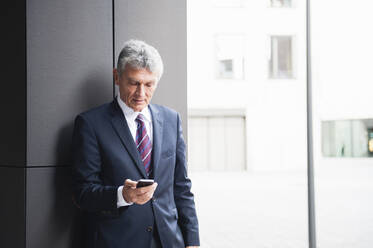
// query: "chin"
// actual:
[[138, 108]]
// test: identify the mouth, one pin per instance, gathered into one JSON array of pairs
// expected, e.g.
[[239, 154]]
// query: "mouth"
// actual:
[[138, 101]]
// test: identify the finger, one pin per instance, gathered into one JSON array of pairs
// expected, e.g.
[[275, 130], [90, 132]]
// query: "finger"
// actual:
[[150, 188], [128, 194], [155, 185], [143, 190], [140, 200], [139, 194], [150, 195], [145, 198], [130, 183]]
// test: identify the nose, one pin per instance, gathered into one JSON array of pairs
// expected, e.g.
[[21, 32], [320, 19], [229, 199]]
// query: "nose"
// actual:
[[140, 90]]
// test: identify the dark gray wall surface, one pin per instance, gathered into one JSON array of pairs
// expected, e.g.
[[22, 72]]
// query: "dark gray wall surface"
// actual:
[[69, 59], [51, 217], [13, 85], [67, 69], [12, 208], [162, 24]]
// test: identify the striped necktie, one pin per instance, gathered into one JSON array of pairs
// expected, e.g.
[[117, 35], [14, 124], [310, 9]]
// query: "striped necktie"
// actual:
[[144, 145]]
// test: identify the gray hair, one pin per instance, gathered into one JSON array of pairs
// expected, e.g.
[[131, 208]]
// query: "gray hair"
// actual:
[[139, 55]]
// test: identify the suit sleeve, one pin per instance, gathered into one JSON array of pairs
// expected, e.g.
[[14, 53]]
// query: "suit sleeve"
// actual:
[[184, 198], [89, 191]]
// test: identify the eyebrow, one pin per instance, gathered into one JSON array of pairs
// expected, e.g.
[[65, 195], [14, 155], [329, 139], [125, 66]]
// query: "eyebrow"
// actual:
[[134, 80]]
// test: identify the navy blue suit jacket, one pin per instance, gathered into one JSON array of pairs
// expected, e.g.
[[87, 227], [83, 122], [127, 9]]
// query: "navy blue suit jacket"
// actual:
[[105, 154]]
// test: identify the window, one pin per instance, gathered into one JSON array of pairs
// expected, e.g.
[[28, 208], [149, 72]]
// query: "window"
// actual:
[[347, 138], [273, 186], [230, 56], [259, 154], [280, 3], [281, 60]]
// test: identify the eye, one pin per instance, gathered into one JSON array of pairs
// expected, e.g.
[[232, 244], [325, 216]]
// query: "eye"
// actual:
[[133, 83]]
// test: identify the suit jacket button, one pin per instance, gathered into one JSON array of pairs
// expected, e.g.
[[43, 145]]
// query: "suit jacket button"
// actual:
[[149, 229]]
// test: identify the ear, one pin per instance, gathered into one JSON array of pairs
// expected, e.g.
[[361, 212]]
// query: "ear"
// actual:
[[116, 76]]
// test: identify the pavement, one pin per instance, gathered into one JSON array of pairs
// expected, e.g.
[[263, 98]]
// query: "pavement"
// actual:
[[269, 209]]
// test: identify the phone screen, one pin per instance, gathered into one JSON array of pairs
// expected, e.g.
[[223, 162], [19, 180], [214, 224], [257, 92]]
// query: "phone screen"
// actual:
[[144, 182]]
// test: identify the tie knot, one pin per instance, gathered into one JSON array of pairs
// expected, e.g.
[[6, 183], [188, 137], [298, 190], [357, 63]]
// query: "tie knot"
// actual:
[[140, 118]]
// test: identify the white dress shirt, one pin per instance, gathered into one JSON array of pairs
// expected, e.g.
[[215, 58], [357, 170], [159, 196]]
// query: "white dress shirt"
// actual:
[[131, 116]]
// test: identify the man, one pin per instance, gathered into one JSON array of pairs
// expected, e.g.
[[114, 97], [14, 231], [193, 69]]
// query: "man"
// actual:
[[118, 143]]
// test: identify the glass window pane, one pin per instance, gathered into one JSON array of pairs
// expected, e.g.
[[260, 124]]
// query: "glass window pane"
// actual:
[[281, 62], [247, 146], [229, 54], [347, 138], [342, 86]]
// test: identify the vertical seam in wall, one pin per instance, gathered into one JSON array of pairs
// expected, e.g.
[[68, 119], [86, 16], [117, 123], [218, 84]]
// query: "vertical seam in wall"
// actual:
[[26, 97], [113, 37], [25, 206], [26, 134]]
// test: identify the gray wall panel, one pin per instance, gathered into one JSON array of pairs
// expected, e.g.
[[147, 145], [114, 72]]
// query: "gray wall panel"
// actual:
[[52, 219], [162, 24], [69, 59], [12, 207], [13, 85]]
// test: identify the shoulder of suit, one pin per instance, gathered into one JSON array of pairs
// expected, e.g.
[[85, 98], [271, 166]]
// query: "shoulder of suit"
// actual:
[[103, 110], [165, 110], [95, 112]]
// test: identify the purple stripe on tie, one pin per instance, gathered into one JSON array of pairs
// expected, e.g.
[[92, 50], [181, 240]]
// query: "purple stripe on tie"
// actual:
[[139, 131], [143, 143], [145, 146], [147, 155], [139, 143], [147, 163]]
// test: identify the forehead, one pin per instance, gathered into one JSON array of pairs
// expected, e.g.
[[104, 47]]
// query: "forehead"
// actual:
[[139, 74]]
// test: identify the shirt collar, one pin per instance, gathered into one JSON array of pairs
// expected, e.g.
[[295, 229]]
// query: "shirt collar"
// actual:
[[130, 114]]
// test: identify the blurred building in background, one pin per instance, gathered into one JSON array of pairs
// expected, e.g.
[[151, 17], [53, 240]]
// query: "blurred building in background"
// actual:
[[247, 85], [247, 125]]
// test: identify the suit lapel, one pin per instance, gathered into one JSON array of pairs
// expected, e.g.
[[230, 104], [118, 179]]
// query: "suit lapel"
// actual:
[[157, 122], [121, 128]]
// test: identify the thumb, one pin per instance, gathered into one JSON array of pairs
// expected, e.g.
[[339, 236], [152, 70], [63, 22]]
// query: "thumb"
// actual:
[[129, 183]]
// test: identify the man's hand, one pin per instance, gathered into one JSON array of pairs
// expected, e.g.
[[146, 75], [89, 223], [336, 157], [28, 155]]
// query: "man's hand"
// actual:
[[192, 247], [137, 195]]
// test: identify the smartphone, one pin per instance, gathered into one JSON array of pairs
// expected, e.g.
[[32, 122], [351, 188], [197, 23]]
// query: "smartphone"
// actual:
[[144, 183]]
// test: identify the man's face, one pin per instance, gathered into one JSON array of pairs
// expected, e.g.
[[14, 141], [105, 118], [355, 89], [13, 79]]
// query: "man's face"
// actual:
[[136, 87]]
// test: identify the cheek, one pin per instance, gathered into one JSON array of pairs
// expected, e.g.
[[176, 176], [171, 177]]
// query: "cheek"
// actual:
[[149, 93], [127, 93]]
